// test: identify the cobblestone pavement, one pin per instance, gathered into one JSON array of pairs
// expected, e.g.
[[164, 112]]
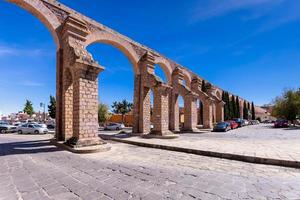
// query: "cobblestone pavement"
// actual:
[[31, 168], [258, 140]]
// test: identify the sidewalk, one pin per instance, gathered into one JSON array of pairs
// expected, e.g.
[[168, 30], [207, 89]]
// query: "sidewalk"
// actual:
[[255, 144]]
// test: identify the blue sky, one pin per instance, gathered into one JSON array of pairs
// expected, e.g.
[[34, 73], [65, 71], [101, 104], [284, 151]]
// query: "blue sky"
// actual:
[[249, 47]]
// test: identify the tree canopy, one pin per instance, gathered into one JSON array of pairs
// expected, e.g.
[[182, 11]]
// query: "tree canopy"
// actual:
[[28, 108], [122, 108], [103, 113], [287, 105], [52, 107]]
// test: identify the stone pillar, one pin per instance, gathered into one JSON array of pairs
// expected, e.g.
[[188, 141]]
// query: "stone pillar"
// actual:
[[85, 105], [208, 114], [161, 111], [59, 93], [220, 111], [136, 103], [145, 111], [174, 112], [67, 106], [190, 113]]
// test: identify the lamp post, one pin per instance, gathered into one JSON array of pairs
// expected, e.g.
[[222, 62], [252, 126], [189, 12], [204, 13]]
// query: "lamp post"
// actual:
[[42, 105]]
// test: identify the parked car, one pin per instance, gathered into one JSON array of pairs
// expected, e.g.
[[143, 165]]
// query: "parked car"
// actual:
[[239, 121], [222, 126], [114, 126], [233, 124], [253, 122], [50, 126], [6, 128], [281, 123], [32, 129], [246, 122]]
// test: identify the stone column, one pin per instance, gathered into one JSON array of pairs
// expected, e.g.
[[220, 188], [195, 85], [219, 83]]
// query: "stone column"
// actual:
[[161, 111], [85, 105], [67, 106], [136, 104], [174, 112], [59, 93], [145, 111], [190, 113], [208, 114], [220, 111]]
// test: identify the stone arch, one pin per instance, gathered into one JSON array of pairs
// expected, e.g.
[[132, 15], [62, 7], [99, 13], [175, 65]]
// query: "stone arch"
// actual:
[[38, 9], [166, 66], [123, 46], [187, 77]]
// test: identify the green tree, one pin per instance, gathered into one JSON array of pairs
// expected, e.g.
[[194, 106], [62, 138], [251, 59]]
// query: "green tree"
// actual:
[[232, 107], [28, 108], [253, 111], [245, 111], [287, 105], [103, 113], [122, 108], [237, 104], [52, 107]]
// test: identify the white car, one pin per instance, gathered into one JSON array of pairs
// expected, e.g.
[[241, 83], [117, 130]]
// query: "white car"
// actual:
[[32, 129], [114, 126]]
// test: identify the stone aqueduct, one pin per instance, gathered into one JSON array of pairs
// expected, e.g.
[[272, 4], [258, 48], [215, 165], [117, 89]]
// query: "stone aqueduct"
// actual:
[[77, 79]]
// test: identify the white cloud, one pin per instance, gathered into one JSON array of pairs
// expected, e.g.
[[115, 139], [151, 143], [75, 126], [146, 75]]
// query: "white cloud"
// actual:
[[216, 8], [13, 51], [31, 83]]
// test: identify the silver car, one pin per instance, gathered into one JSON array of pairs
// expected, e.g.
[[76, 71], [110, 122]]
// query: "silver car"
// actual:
[[114, 126], [32, 129]]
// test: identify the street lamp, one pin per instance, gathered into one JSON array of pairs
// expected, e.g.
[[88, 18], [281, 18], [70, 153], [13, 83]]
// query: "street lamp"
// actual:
[[42, 105]]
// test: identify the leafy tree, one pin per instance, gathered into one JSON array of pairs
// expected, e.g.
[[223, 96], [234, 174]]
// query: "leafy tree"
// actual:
[[103, 113], [287, 105], [122, 108], [237, 104], [253, 111], [52, 107], [28, 108]]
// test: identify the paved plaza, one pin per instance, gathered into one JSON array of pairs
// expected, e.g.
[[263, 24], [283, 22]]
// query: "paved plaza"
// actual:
[[32, 169], [258, 141]]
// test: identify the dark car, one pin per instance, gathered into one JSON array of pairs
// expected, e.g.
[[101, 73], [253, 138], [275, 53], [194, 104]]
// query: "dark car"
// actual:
[[222, 126], [281, 123], [239, 121]]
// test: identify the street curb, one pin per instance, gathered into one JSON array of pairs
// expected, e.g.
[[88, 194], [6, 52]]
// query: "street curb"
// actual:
[[236, 157], [82, 150]]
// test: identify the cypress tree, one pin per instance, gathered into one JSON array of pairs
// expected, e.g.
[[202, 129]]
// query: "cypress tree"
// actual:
[[232, 107], [228, 106], [237, 104], [245, 111], [253, 111]]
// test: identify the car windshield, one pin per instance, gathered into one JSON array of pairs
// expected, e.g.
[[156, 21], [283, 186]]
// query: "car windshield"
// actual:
[[221, 123]]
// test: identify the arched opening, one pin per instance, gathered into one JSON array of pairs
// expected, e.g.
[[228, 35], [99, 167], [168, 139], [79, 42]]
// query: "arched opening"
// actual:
[[116, 82], [181, 111], [200, 113], [160, 72], [28, 60]]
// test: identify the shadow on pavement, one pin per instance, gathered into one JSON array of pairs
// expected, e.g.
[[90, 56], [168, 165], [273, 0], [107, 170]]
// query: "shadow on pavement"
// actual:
[[27, 147], [117, 135]]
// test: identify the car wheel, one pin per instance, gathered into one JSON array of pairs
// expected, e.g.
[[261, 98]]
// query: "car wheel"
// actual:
[[36, 132], [117, 128], [20, 132], [3, 131]]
